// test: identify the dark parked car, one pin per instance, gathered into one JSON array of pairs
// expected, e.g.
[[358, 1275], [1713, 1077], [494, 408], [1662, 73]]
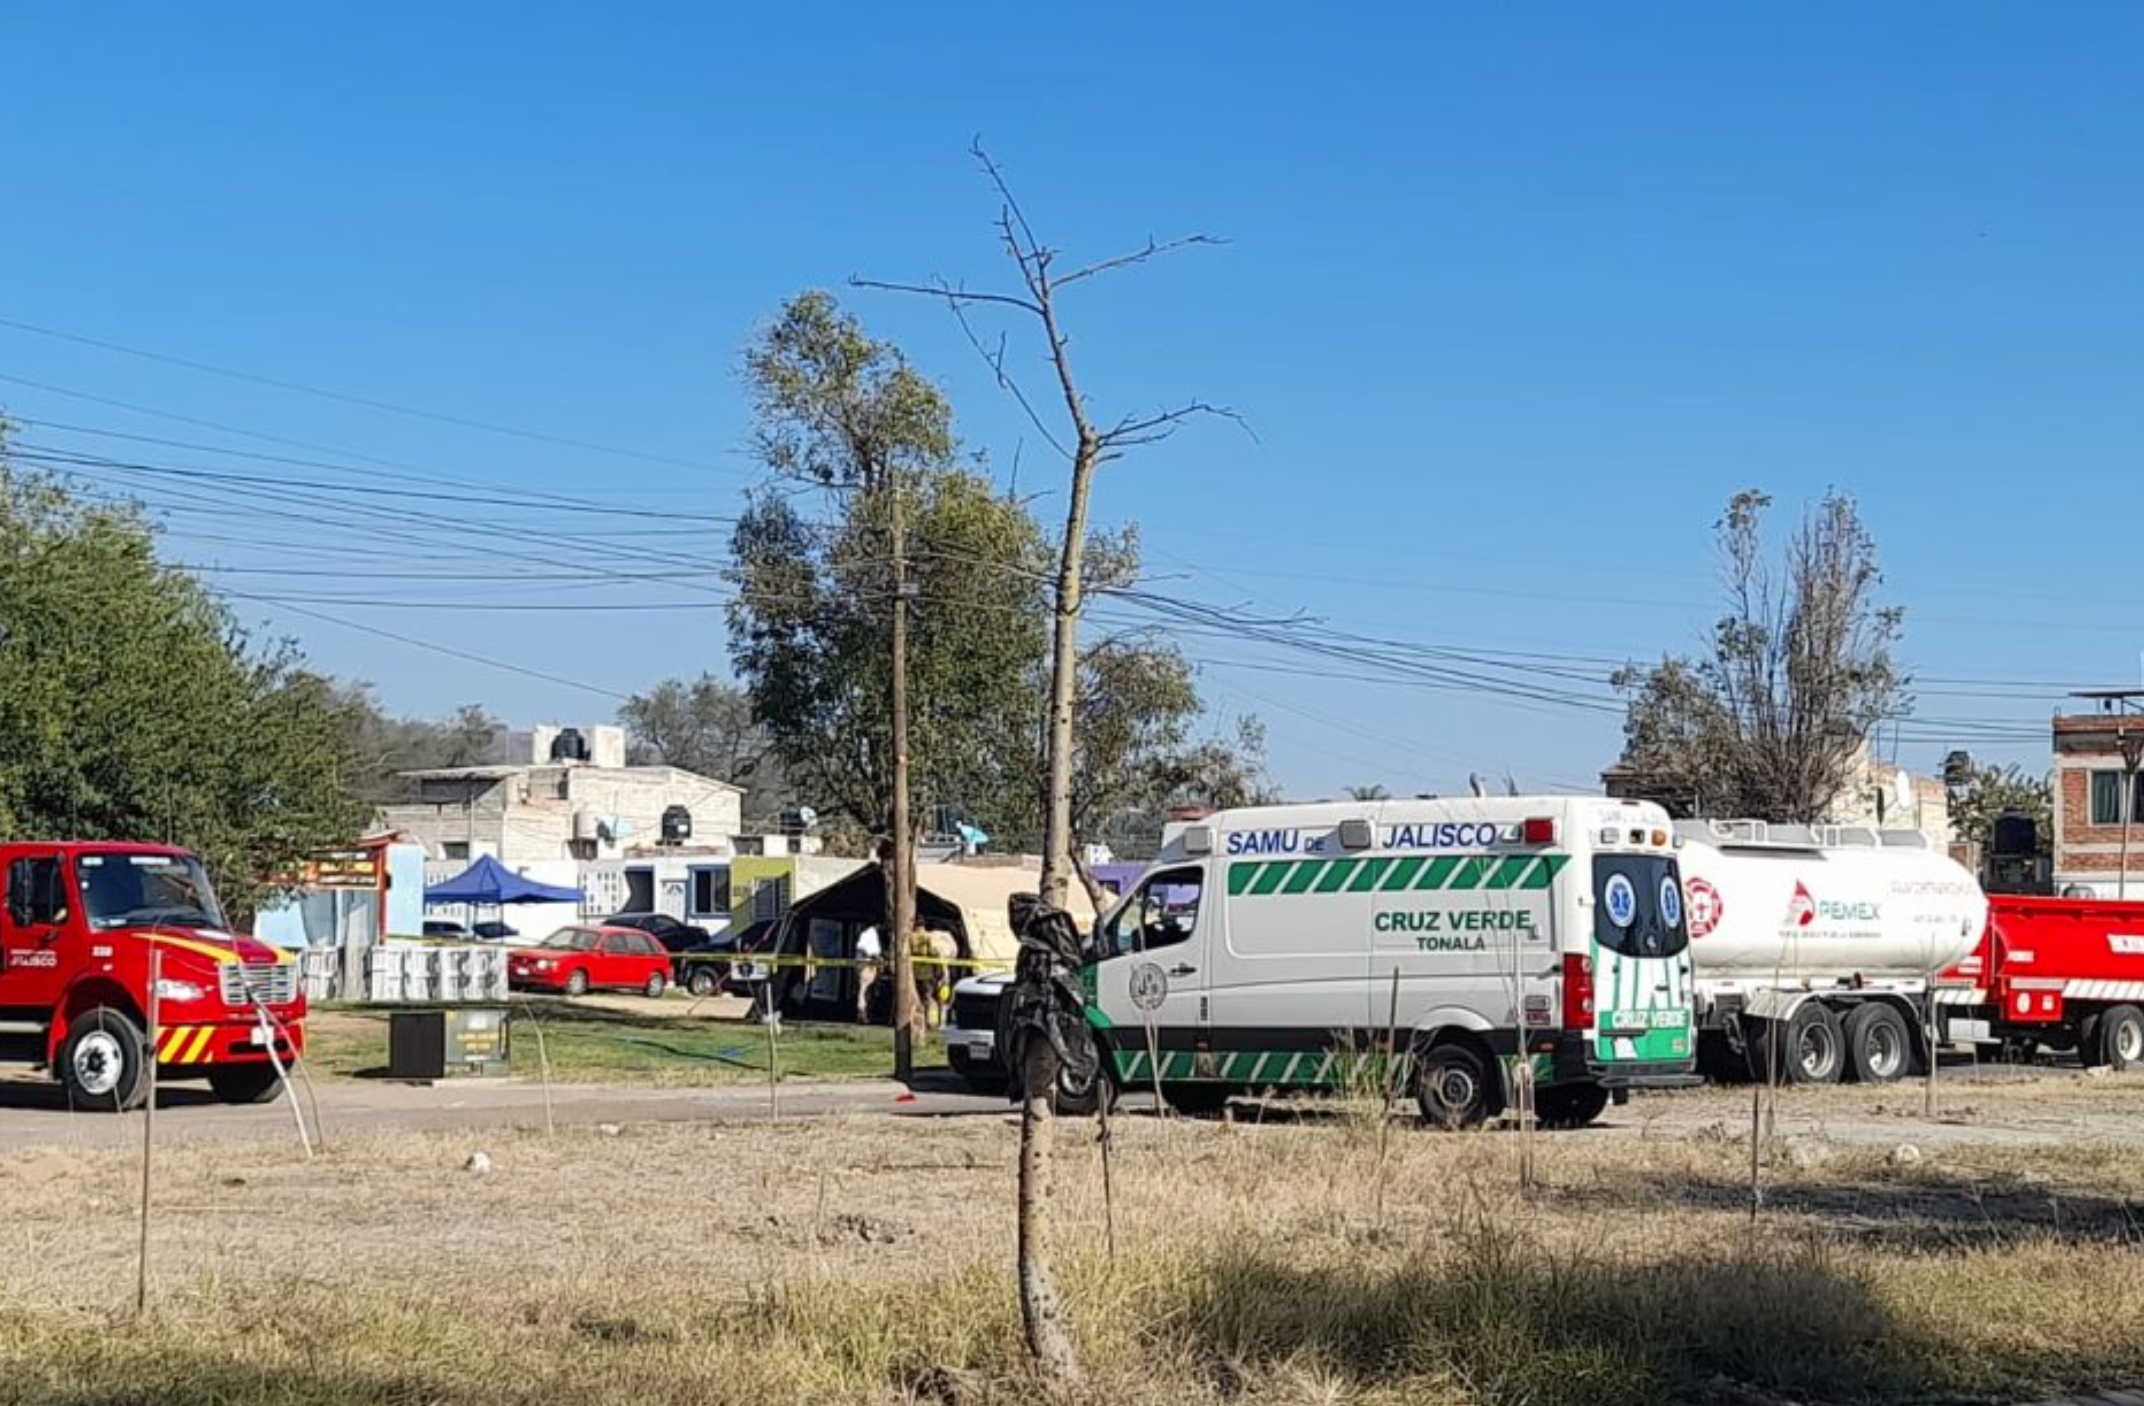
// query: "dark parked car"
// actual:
[[675, 936], [446, 928], [494, 931]]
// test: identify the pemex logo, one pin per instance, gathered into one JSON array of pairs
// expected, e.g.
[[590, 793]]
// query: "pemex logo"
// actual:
[[1801, 910]]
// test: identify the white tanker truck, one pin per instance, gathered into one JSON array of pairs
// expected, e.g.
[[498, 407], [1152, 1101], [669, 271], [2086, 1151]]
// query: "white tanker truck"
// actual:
[[1816, 949]]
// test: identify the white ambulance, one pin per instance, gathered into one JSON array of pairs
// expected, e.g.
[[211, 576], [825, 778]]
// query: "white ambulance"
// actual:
[[1264, 948]]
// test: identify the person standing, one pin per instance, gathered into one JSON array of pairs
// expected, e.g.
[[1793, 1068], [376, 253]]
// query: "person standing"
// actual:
[[869, 954]]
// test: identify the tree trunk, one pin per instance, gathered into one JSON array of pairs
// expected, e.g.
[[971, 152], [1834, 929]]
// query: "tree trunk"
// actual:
[[1064, 682], [1042, 1312]]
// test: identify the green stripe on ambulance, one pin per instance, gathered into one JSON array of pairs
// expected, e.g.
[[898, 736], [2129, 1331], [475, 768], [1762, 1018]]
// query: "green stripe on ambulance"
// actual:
[[1290, 877]]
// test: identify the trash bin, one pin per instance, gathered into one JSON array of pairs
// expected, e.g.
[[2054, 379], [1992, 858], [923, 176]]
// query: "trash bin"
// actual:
[[440, 1044]]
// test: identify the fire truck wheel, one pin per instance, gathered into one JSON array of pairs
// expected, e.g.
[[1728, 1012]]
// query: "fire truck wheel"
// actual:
[[1569, 1105], [105, 1062], [2088, 1041], [1879, 1048], [1452, 1086], [245, 1083], [2121, 1037], [577, 984]]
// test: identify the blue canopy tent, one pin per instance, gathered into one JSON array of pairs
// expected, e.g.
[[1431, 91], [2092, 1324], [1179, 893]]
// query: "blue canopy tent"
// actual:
[[491, 883]]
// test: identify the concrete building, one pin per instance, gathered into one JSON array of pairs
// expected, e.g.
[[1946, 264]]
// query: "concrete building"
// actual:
[[560, 794], [2096, 755]]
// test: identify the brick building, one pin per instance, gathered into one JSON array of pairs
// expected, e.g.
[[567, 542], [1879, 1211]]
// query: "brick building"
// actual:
[[2091, 774]]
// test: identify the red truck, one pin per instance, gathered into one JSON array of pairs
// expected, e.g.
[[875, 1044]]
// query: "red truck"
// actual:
[[2066, 973], [79, 923]]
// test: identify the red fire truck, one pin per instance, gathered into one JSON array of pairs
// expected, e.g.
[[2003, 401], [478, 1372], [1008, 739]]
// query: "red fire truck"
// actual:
[[2066, 973], [82, 928]]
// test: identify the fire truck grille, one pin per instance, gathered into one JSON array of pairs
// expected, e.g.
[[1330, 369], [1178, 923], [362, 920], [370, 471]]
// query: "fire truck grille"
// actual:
[[265, 983]]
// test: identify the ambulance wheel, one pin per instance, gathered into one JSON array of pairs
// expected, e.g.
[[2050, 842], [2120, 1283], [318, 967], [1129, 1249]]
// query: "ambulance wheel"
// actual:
[[245, 1083], [1078, 1097], [1453, 1086], [1082, 1098], [2120, 1037], [1879, 1047], [1196, 1100], [105, 1062], [1569, 1105]]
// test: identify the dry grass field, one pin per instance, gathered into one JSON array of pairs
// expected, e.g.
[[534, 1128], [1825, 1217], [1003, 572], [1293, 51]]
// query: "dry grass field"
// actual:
[[867, 1260]]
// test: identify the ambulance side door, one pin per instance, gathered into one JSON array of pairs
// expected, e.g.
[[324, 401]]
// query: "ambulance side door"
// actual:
[[1150, 963]]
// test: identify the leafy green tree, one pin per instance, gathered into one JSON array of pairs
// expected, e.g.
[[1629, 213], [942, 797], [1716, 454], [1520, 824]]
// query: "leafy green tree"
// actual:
[[1985, 793], [386, 746], [808, 636], [1772, 722], [705, 726], [132, 706]]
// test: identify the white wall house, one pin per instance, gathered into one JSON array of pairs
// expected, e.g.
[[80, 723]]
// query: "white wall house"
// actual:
[[572, 798]]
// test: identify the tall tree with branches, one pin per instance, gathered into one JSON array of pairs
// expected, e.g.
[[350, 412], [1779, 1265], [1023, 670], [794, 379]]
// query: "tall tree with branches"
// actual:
[[1087, 442], [1773, 722]]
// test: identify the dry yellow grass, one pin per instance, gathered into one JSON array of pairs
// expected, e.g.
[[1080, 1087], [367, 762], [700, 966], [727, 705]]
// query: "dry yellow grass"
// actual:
[[868, 1261]]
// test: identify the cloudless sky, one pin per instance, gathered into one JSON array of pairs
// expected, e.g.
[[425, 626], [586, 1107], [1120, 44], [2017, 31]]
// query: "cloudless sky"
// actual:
[[1514, 296]]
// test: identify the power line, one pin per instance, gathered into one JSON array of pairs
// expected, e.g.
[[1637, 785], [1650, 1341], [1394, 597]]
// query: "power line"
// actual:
[[344, 397]]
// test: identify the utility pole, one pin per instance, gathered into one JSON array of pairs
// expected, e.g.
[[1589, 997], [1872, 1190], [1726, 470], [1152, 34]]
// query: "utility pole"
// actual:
[[903, 878], [2132, 745]]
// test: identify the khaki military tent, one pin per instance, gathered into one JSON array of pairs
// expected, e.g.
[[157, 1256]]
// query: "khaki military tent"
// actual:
[[968, 902]]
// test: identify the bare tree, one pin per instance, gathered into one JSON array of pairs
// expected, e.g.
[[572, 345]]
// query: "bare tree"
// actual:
[[1773, 721], [1083, 440], [1087, 446]]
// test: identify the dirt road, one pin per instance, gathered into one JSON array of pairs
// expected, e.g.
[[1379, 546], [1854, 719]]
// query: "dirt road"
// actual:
[[2008, 1106]]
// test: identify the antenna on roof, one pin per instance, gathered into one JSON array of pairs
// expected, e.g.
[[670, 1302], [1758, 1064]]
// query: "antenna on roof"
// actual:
[[1475, 784]]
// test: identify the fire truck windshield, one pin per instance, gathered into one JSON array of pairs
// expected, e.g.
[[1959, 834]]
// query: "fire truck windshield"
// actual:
[[127, 890]]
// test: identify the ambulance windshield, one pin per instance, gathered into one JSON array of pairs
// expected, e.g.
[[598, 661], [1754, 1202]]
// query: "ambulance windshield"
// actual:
[[1637, 905]]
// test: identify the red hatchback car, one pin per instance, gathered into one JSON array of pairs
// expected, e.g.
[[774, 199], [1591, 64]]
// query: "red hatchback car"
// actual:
[[579, 959]]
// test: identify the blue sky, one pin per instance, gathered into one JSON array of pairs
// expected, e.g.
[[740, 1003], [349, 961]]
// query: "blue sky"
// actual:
[[1514, 296]]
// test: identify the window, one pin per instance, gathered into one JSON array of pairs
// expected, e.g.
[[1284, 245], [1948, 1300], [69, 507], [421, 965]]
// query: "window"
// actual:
[[121, 890], [35, 896], [710, 892], [455, 849], [2107, 798], [1638, 905], [1161, 914]]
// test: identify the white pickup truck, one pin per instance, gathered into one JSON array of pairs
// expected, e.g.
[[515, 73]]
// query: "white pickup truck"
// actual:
[[971, 1030]]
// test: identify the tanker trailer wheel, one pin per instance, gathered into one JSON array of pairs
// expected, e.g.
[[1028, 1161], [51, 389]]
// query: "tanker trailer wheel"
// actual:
[[1879, 1047], [105, 1062], [1809, 1048], [245, 1083], [2120, 1037]]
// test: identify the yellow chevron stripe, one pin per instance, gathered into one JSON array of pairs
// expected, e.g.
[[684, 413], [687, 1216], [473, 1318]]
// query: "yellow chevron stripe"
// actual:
[[198, 1046], [199, 949], [167, 1044]]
